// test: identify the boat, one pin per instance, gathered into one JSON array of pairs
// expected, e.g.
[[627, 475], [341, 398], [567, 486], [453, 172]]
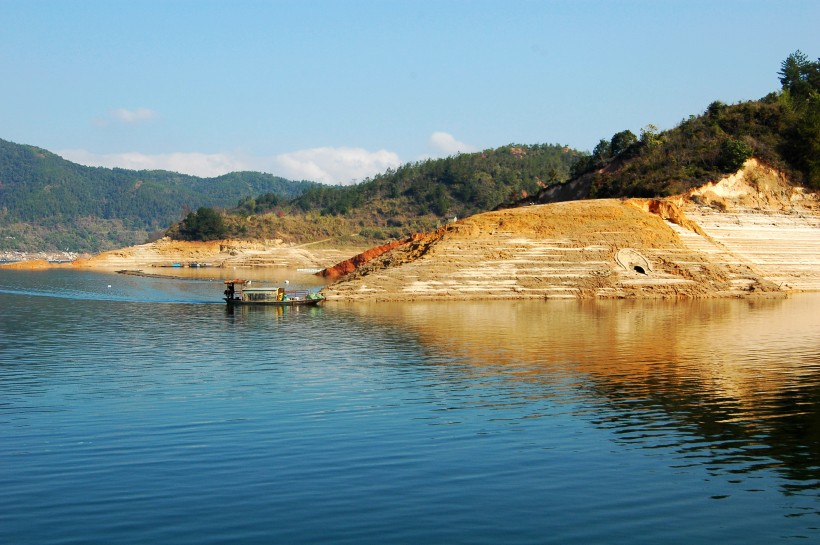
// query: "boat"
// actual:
[[240, 292]]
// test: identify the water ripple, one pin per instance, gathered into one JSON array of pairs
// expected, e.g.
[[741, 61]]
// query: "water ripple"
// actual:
[[136, 422]]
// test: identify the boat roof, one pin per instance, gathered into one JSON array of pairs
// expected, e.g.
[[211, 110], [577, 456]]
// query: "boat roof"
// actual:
[[264, 288], [245, 283]]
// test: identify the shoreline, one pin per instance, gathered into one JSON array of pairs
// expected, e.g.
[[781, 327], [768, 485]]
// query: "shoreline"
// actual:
[[17, 256]]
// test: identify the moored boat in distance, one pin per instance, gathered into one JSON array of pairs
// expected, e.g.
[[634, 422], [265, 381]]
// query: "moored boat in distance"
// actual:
[[239, 292]]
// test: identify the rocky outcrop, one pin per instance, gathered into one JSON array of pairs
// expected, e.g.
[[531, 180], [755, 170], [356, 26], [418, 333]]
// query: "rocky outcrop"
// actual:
[[668, 211], [349, 265], [756, 217]]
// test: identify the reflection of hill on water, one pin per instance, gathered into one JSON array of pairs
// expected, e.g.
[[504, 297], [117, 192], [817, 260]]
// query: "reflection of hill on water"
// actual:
[[731, 383]]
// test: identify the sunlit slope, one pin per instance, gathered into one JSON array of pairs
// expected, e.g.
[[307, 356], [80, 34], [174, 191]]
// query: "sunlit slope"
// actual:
[[677, 247]]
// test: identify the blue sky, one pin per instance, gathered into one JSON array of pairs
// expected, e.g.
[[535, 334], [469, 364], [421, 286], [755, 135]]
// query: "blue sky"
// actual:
[[337, 91]]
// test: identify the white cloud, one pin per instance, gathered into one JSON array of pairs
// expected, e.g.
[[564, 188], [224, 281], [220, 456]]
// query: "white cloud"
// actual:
[[445, 143], [326, 165], [124, 116], [197, 164], [133, 116], [335, 165], [330, 165]]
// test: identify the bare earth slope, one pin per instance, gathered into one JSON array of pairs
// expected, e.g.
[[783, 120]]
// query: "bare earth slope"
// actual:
[[751, 233]]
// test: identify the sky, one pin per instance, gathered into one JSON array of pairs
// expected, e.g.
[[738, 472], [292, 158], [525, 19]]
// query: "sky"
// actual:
[[339, 91]]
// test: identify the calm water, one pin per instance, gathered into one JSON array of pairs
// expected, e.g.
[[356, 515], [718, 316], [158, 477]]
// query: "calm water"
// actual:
[[136, 410]]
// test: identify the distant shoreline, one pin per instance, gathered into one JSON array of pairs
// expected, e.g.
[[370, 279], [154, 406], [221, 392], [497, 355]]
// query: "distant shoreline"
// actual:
[[14, 256]]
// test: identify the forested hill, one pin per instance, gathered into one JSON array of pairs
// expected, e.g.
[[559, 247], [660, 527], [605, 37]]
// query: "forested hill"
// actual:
[[460, 185], [47, 202], [782, 130], [413, 198]]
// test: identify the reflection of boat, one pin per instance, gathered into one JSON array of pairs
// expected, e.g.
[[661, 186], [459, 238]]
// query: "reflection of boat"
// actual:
[[239, 292]]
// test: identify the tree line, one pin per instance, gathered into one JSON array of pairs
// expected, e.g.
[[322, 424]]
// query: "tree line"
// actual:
[[413, 197], [782, 129]]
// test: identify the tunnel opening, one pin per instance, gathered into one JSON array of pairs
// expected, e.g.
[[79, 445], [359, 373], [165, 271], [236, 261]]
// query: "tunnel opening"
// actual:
[[633, 261]]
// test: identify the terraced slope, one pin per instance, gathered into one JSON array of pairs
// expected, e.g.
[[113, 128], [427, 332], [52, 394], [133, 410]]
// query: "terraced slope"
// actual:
[[749, 234]]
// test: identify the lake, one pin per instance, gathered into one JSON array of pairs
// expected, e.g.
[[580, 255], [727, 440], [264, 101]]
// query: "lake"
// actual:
[[141, 410]]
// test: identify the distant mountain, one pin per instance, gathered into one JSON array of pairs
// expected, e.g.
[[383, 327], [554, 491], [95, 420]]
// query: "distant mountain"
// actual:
[[49, 203]]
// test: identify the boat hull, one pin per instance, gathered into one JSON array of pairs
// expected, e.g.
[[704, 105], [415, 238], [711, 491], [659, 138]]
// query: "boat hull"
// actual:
[[238, 292], [291, 303]]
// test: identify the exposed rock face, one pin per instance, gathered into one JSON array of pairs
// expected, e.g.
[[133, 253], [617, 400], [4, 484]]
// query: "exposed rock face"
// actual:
[[756, 217], [751, 233], [349, 265]]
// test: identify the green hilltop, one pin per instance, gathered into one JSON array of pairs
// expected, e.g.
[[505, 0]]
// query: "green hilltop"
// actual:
[[782, 130]]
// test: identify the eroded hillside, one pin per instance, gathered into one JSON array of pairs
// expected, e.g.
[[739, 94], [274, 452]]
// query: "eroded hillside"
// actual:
[[751, 233]]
